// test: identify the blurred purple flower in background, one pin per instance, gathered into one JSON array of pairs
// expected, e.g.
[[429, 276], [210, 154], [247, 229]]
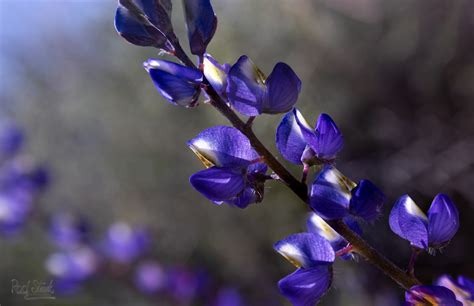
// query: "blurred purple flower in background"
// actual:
[[183, 284], [13, 214], [21, 180], [150, 277], [71, 268], [123, 243], [81, 258], [68, 230], [11, 139], [229, 297]]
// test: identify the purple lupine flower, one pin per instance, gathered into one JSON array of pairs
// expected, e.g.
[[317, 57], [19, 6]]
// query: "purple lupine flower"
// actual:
[[71, 268], [22, 175], [313, 256], [251, 93], [228, 297], [20, 182], [67, 230], [435, 231], [430, 295], [334, 196], [146, 23], [299, 143], [124, 244], [316, 225], [234, 175], [149, 277], [216, 74], [178, 84], [14, 210], [462, 287], [183, 284], [201, 23], [11, 139]]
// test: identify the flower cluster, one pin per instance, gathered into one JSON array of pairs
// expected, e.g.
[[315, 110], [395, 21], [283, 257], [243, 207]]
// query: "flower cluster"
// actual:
[[21, 180], [123, 253], [79, 257], [236, 173]]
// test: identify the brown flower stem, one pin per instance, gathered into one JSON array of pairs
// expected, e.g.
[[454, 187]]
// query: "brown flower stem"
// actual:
[[411, 264]]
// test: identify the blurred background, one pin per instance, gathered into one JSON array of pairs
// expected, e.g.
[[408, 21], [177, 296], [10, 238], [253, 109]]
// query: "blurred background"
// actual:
[[396, 75]]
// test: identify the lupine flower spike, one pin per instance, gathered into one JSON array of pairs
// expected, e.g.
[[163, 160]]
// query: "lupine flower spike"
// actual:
[[251, 93], [429, 233], [236, 174], [334, 196], [313, 256], [233, 175]]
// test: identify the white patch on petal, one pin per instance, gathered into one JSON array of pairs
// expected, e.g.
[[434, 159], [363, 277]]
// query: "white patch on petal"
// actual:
[[413, 209], [201, 144], [151, 64], [336, 178], [213, 73], [324, 229], [294, 124], [302, 120], [203, 151], [251, 71], [292, 253]]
